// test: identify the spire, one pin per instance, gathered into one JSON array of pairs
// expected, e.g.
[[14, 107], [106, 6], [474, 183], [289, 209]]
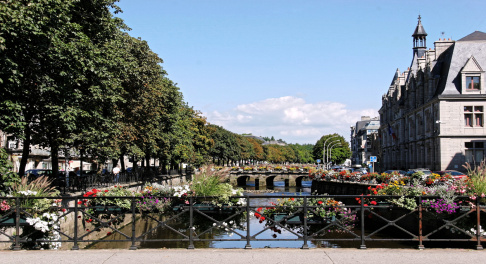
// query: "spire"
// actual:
[[419, 35]]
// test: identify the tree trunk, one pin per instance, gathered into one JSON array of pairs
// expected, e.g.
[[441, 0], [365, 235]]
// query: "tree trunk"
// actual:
[[147, 158], [54, 159], [25, 151], [122, 162]]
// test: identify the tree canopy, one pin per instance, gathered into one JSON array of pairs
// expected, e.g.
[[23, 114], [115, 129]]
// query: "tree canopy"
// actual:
[[72, 77]]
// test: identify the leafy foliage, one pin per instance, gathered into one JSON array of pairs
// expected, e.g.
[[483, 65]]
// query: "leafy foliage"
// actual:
[[340, 150], [7, 176]]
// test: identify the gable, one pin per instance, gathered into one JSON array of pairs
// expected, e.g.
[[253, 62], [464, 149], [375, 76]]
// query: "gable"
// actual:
[[472, 66]]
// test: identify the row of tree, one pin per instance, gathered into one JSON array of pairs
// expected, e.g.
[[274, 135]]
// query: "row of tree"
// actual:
[[72, 78]]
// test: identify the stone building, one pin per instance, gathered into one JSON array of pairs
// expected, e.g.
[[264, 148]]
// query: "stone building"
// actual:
[[363, 140], [433, 113]]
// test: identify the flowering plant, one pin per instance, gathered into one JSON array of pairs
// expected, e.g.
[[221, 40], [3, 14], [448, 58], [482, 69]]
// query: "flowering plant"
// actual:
[[47, 227], [320, 211], [4, 206]]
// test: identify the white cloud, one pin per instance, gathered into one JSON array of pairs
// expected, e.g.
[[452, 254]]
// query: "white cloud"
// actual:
[[290, 118]]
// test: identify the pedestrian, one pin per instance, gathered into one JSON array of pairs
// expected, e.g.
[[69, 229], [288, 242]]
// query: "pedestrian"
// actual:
[[116, 173]]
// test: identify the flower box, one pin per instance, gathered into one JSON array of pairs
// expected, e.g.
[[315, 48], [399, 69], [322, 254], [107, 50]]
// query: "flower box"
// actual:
[[284, 218], [10, 220], [299, 219], [110, 210], [206, 208]]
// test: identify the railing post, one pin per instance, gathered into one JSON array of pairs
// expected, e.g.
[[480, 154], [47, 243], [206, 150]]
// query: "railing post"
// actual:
[[420, 226], [191, 223], [17, 224], [75, 246], [305, 246], [133, 246], [478, 224], [248, 235], [363, 245]]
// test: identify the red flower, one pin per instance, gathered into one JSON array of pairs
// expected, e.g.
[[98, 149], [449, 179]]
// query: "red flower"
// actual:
[[257, 215], [262, 218], [373, 202], [109, 233], [292, 199], [259, 209], [320, 202], [80, 202], [106, 190]]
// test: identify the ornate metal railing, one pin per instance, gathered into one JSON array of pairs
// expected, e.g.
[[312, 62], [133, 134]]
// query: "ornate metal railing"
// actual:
[[89, 181], [359, 220]]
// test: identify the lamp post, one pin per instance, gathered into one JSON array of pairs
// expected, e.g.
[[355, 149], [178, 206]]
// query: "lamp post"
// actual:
[[330, 149], [324, 147]]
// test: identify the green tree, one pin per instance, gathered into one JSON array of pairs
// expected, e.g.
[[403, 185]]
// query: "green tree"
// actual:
[[225, 148], [7, 176], [258, 153], [340, 150], [303, 153], [53, 68]]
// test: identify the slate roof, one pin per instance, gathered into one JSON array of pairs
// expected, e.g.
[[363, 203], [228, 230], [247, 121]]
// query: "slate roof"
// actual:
[[451, 62], [419, 30], [476, 35]]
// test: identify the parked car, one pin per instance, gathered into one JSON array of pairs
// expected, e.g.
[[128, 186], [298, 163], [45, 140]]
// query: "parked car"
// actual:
[[36, 173], [456, 175], [361, 170], [85, 172], [425, 172], [401, 172]]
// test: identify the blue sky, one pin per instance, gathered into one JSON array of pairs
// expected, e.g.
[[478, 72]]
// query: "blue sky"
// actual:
[[295, 70]]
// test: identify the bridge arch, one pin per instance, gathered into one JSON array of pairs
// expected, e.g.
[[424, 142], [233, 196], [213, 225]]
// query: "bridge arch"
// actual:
[[269, 181], [241, 180], [298, 181]]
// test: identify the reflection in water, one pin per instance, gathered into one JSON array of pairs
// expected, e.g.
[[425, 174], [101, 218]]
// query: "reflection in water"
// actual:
[[178, 228], [148, 227]]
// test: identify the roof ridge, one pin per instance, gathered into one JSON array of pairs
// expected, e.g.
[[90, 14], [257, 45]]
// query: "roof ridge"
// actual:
[[476, 35]]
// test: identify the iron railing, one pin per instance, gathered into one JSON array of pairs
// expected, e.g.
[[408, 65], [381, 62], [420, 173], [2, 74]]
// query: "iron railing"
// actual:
[[89, 181], [192, 221]]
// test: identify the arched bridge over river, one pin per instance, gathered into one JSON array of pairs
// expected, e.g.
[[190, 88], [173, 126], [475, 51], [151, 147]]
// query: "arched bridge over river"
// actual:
[[268, 178]]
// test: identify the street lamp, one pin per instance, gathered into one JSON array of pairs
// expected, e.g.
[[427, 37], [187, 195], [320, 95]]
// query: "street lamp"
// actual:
[[330, 149], [324, 147]]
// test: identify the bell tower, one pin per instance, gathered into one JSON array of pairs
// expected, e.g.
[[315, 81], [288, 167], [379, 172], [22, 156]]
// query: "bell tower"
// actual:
[[419, 39]]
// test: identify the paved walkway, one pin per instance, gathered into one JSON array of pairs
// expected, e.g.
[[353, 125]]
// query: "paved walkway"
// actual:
[[237, 256]]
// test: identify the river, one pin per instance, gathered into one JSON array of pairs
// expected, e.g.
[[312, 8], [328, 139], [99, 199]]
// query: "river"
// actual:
[[150, 231]]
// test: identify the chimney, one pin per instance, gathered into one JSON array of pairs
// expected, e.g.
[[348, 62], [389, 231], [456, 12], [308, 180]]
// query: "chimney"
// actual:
[[441, 46]]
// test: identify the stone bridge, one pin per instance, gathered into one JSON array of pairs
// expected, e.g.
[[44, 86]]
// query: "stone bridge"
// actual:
[[267, 178]]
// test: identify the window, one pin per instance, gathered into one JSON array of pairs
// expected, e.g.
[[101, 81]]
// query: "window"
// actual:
[[473, 116], [472, 83], [474, 152]]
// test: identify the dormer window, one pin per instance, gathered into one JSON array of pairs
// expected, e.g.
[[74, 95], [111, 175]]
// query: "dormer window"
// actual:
[[473, 82], [472, 75]]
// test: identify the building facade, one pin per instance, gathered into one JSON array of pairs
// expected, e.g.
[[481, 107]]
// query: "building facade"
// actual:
[[363, 140], [433, 113]]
